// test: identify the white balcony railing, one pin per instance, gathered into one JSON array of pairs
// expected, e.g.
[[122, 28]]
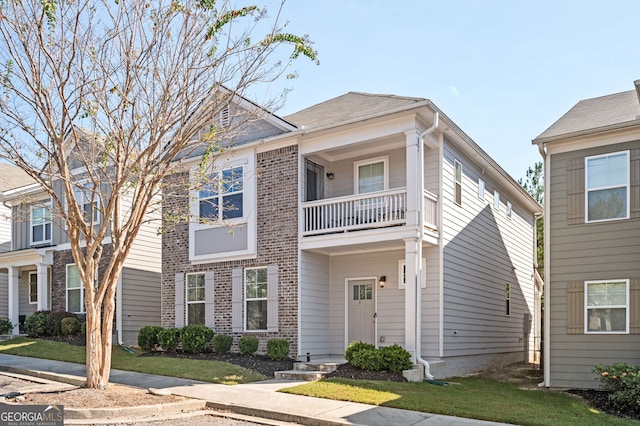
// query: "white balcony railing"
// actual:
[[362, 211], [430, 210]]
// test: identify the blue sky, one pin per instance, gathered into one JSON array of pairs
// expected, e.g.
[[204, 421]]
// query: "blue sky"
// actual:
[[502, 70]]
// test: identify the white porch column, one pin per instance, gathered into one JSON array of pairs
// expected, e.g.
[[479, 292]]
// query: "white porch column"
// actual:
[[412, 255], [414, 185], [13, 300], [43, 293]]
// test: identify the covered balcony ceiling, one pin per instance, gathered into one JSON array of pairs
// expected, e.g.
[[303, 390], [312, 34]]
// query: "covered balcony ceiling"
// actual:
[[366, 147]]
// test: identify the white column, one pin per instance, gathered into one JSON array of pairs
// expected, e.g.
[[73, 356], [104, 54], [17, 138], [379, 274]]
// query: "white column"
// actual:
[[43, 293], [414, 186], [14, 301], [412, 253]]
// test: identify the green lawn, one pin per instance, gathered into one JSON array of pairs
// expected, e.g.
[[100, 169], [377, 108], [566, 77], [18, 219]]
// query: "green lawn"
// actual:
[[472, 397], [209, 371]]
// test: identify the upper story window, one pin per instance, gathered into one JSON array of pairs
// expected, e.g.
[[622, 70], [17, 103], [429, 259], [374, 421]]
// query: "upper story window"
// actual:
[[481, 189], [509, 208], [607, 187], [222, 197], [371, 175], [88, 201], [496, 200], [458, 182], [607, 306], [41, 224]]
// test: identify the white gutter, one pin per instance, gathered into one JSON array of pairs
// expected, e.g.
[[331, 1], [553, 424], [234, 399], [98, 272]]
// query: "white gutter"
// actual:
[[418, 299]]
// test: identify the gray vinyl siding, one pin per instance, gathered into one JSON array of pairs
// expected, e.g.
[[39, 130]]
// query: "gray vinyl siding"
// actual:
[[5, 229], [483, 250], [146, 250], [343, 170], [315, 312], [20, 231], [4, 295], [579, 252], [140, 302]]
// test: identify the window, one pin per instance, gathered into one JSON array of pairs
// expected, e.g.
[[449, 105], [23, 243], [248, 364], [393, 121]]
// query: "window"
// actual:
[[88, 201], [225, 189], [256, 299], [75, 290], [507, 299], [362, 292], [33, 288], [458, 182], [607, 187], [40, 224], [481, 189], [509, 208], [402, 274], [606, 306], [371, 175], [314, 181], [195, 298], [496, 200]]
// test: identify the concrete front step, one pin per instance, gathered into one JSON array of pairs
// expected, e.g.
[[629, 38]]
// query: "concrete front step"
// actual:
[[328, 367], [301, 375]]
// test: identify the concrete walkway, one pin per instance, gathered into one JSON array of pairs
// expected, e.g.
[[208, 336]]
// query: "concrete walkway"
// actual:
[[259, 399]]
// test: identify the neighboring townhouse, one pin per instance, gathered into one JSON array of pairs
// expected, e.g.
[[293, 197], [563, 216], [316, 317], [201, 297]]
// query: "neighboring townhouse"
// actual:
[[592, 238], [363, 218], [41, 273]]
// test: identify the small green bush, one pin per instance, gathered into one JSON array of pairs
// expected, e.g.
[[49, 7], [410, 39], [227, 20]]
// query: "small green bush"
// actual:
[[623, 383], [195, 338], [36, 324], [54, 322], [169, 339], [83, 328], [355, 347], [277, 349], [148, 337], [222, 343], [248, 345], [69, 326], [5, 326], [367, 359], [395, 358]]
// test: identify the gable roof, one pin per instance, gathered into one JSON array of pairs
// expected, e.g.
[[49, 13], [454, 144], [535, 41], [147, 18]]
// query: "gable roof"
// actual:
[[12, 177], [593, 115], [350, 106]]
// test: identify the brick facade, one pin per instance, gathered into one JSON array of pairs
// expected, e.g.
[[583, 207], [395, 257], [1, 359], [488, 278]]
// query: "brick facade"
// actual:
[[277, 244]]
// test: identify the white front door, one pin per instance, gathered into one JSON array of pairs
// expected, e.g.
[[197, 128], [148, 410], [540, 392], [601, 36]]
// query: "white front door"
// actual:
[[361, 315]]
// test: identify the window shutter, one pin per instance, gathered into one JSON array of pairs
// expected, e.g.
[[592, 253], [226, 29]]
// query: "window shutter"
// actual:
[[209, 309], [635, 183], [634, 306], [272, 298], [575, 191], [575, 307], [237, 294], [179, 300]]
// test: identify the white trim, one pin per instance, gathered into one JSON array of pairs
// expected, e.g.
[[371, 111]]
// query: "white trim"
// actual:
[[357, 164], [457, 164], [626, 306], [66, 288], [245, 299], [509, 209], [627, 185], [402, 285], [47, 206], [481, 187], [496, 199], [32, 273], [186, 295]]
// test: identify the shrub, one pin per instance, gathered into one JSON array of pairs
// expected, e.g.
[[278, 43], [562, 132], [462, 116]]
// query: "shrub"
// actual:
[[355, 347], [5, 326], [169, 339], [69, 326], [623, 383], [367, 359], [36, 324], [83, 328], [148, 337], [195, 338], [222, 343], [395, 358], [54, 322], [248, 345], [277, 349]]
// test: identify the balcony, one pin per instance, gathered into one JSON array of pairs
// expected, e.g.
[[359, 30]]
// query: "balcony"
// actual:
[[372, 210]]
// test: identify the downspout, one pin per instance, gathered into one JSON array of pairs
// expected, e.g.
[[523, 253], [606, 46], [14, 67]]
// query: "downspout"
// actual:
[[119, 309], [547, 268], [418, 338]]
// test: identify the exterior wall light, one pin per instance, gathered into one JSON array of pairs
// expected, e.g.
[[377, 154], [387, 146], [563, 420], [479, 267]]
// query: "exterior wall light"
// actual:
[[382, 281]]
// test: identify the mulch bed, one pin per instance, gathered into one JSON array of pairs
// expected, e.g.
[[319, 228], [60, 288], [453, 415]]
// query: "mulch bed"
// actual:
[[600, 399]]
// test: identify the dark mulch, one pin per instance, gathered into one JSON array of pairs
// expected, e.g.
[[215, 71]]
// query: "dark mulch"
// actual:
[[600, 399]]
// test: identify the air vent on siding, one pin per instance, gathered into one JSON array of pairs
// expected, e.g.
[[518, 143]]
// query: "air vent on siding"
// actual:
[[224, 117]]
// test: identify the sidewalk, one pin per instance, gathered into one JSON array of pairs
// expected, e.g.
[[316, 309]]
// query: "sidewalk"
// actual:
[[259, 399]]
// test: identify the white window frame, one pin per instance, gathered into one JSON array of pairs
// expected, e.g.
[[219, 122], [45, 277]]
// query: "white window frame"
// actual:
[[82, 200], [216, 179], [81, 288], [457, 183], [496, 200], [356, 175], [509, 209], [45, 221], [587, 190], [32, 300], [587, 307], [402, 276], [481, 186], [186, 296], [246, 299]]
